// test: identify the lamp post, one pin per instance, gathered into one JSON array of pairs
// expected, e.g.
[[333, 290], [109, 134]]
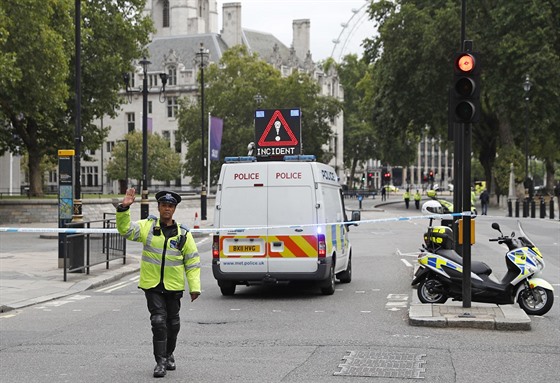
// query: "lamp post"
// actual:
[[126, 154], [145, 206], [527, 87], [201, 59]]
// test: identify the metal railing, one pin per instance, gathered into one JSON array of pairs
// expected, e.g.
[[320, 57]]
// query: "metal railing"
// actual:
[[83, 250]]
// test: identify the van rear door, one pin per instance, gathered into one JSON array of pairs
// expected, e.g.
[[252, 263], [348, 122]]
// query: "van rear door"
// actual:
[[291, 202], [242, 204]]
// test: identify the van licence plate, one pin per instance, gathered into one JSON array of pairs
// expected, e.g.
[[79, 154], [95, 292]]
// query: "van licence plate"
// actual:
[[244, 248]]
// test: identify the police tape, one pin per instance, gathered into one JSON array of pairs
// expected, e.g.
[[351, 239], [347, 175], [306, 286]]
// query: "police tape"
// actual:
[[77, 230]]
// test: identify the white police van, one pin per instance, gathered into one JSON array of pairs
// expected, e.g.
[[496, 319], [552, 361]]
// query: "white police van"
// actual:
[[280, 221]]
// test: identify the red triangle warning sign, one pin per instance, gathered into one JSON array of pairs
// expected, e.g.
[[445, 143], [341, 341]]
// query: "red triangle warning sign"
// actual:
[[278, 122]]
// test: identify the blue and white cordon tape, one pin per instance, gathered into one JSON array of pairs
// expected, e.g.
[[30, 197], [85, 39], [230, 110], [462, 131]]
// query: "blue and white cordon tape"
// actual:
[[229, 229]]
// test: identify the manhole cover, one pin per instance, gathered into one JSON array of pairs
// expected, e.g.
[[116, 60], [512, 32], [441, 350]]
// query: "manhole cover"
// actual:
[[385, 364]]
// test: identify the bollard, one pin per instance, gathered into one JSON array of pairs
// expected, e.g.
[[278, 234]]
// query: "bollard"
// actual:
[[525, 208], [533, 208], [543, 208], [517, 208], [510, 208], [551, 208]]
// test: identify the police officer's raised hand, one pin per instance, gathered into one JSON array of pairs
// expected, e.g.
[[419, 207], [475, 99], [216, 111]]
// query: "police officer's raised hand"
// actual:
[[129, 197]]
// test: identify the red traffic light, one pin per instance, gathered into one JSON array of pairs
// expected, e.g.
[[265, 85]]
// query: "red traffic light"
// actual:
[[465, 63]]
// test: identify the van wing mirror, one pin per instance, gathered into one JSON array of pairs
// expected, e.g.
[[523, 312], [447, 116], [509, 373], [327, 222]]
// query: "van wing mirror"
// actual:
[[355, 217]]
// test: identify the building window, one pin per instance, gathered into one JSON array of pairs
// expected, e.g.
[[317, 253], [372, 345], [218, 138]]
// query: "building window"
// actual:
[[149, 107], [166, 13], [130, 120], [167, 136], [177, 142], [90, 176], [172, 76], [110, 146], [53, 176], [152, 80], [172, 107]]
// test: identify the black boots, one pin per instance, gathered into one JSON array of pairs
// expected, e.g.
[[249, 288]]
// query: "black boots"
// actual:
[[160, 348], [170, 363]]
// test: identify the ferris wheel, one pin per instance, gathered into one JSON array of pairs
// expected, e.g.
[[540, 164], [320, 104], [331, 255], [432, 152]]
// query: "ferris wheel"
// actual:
[[349, 28]]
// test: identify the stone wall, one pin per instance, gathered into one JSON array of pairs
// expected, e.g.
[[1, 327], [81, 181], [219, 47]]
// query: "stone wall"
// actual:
[[46, 211]]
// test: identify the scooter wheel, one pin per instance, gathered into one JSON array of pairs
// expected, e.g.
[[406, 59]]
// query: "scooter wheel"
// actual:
[[429, 291], [536, 301]]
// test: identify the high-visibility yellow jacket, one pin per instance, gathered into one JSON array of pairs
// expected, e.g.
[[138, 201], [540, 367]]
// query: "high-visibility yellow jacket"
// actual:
[[159, 252]]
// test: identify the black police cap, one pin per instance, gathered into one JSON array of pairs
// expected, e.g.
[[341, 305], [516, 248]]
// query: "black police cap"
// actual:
[[168, 197]]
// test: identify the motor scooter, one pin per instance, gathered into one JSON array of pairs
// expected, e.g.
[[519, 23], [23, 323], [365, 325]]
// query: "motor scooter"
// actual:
[[440, 274]]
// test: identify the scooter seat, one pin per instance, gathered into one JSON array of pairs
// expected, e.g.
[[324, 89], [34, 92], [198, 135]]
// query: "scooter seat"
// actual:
[[477, 267]]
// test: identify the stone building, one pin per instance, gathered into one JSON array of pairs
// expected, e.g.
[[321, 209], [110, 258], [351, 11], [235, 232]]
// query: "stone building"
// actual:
[[181, 27]]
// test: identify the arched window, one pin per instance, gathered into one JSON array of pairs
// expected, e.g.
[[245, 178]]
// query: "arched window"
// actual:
[[165, 13]]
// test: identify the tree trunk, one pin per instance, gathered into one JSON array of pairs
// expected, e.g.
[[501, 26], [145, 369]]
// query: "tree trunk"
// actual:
[[550, 170], [35, 176]]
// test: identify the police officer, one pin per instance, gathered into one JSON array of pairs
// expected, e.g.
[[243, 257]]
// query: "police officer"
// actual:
[[406, 197], [417, 198], [169, 253]]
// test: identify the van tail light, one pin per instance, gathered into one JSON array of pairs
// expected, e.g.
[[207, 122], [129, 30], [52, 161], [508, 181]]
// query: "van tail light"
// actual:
[[321, 246], [216, 247]]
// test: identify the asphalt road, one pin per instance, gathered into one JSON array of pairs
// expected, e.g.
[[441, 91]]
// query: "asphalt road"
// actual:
[[291, 333]]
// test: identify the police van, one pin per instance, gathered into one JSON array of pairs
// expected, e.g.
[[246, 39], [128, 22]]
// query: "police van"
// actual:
[[280, 221]]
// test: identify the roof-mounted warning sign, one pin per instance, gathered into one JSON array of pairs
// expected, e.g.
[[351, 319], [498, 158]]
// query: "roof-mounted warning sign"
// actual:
[[277, 132]]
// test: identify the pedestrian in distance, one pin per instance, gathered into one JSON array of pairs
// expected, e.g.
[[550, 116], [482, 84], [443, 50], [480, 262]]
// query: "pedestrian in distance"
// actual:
[[417, 198], [169, 253], [383, 193], [406, 197], [484, 200]]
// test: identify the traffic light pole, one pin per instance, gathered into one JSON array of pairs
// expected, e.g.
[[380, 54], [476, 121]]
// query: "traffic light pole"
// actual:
[[466, 253]]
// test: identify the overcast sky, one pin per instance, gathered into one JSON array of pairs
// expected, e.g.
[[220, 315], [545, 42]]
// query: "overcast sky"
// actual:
[[326, 17]]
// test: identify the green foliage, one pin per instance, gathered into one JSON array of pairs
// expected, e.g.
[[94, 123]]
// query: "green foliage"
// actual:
[[230, 90], [411, 68], [37, 103], [502, 166], [164, 164]]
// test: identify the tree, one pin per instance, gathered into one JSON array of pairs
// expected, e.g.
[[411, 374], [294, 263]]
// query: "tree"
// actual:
[[230, 90], [164, 164], [37, 105], [359, 135], [411, 63]]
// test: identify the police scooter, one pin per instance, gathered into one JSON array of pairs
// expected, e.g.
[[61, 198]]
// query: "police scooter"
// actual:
[[441, 273]]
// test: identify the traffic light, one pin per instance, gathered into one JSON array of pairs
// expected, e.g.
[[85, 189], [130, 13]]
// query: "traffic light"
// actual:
[[464, 105], [387, 176], [431, 174]]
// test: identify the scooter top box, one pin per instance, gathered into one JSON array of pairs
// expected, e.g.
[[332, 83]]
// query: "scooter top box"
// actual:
[[439, 237]]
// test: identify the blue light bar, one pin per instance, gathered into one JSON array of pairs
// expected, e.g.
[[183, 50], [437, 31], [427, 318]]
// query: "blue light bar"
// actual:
[[231, 160], [300, 158]]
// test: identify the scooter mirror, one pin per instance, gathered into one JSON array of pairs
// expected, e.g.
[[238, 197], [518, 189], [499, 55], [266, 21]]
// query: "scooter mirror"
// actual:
[[496, 226]]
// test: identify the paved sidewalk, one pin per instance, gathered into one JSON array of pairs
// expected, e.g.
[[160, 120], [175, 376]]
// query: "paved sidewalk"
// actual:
[[29, 272]]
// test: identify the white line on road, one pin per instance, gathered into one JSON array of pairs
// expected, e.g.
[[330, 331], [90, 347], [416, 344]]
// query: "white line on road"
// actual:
[[406, 262]]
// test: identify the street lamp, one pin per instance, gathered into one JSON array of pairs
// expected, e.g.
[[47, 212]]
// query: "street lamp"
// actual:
[[126, 153], [145, 207], [201, 59], [527, 87]]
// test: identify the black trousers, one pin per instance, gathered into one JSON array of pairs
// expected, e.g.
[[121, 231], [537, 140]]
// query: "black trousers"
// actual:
[[164, 316]]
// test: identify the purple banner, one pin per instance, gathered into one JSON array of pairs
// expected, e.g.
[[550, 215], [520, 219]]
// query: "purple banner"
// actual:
[[216, 130]]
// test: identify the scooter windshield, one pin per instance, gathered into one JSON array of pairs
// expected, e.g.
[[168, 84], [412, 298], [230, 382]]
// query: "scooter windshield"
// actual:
[[523, 237]]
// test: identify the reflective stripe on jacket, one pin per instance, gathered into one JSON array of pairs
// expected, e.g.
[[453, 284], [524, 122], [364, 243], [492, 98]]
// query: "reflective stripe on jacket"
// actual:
[[159, 252]]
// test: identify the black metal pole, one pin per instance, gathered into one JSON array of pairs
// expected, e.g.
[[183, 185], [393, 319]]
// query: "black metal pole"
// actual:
[[202, 157], [77, 213], [126, 174], [467, 218], [145, 206]]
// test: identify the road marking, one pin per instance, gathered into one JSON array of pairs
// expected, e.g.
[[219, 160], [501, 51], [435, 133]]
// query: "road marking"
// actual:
[[366, 311], [406, 262], [360, 292], [399, 297], [7, 316], [104, 289], [401, 254]]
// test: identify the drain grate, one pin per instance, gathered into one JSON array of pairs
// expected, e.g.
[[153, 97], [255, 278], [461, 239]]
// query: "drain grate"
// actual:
[[385, 364]]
